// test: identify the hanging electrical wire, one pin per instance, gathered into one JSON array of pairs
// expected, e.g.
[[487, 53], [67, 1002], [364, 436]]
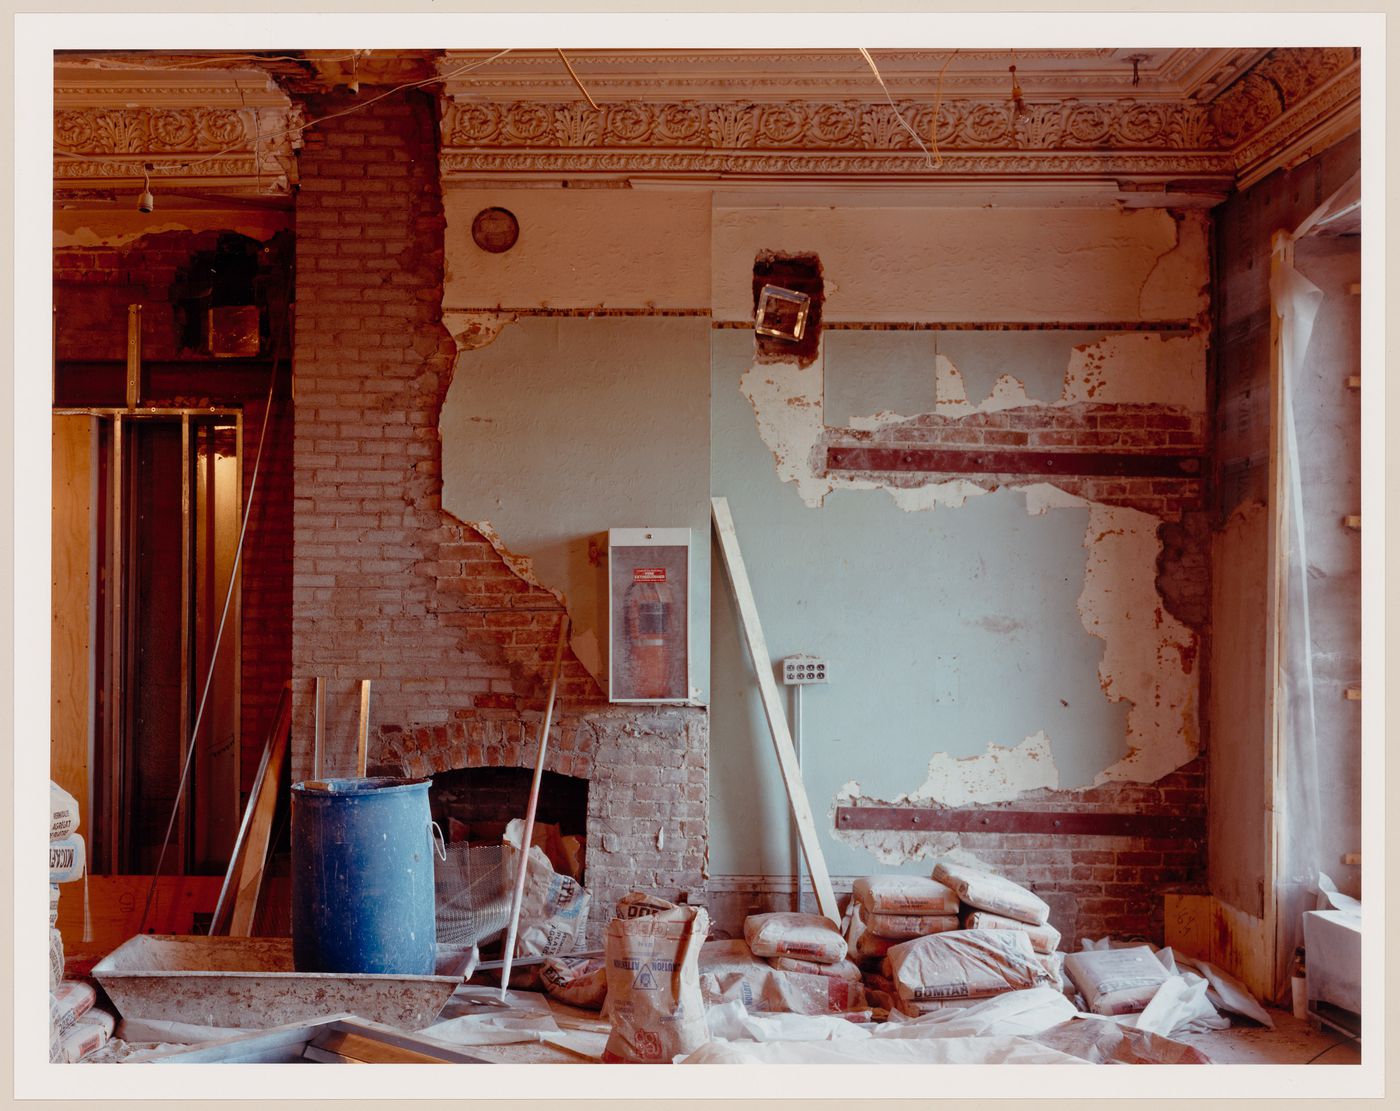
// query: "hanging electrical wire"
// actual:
[[894, 107]]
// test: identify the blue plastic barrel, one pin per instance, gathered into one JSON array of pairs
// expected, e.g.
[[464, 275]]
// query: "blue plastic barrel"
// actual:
[[362, 877]]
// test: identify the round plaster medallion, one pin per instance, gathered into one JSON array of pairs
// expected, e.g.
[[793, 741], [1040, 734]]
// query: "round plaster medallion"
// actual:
[[495, 230]]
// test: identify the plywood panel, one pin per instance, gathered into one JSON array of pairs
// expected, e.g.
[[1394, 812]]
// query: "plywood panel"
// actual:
[[116, 904], [1202, 926], [72, 590]]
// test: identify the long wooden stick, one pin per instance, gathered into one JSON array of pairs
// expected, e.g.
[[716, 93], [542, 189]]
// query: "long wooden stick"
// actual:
[[773, 708], [235, 863], [529, 830], [254, 864], [362, 752], [319, 736]]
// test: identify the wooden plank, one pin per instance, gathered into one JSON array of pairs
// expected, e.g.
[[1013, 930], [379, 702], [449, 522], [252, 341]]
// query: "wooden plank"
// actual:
[[1099, 824], [1019, 461], [235, 865], [362, 750], [319, 736], [357, 1048], [260, 830], [773, 707], [116, 903], [74, 610]]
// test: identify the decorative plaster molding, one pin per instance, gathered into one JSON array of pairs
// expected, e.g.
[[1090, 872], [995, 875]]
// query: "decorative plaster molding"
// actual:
[[797, 125], [1274, 87], [180, 144], [1329, 114]]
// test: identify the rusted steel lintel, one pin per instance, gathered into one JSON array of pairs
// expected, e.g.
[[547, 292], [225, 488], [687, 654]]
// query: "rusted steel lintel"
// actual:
[[1118, 464], [923, 819]]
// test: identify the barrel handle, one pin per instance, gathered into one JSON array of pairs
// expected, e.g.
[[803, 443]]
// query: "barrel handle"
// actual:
[[439, 842]]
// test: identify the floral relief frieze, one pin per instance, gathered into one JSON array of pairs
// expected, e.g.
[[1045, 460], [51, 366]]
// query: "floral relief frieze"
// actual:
[[800, 125]]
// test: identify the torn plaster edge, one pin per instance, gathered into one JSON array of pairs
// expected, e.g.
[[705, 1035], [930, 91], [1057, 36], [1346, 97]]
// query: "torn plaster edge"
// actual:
[[475, 329], [1151, 671], [789, 411]]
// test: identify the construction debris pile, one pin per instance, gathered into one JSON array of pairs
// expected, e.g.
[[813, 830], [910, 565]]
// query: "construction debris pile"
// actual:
[[958, 967]]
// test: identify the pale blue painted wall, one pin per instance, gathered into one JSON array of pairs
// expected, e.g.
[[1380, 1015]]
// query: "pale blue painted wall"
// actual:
[[881, 593]]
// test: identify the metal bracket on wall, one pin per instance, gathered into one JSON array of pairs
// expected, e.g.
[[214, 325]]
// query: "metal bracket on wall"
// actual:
[[920, 819]]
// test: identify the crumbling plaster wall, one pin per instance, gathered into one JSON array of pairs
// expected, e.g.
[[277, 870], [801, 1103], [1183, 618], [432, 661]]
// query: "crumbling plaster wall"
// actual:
[[988, 638], [1012, 641]]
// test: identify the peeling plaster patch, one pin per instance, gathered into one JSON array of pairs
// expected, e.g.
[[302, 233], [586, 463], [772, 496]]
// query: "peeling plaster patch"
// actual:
[[1008, 392], [1139, 368], [950, 389], [1041, 496], [590, 653], [787, 402], [914, 499], [1001, 773], [1146, 649], [878, 421], [471, 330], [524, 566]]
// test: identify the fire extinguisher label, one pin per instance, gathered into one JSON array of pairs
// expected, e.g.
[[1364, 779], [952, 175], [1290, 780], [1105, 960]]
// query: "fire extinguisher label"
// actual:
[[648, 574]]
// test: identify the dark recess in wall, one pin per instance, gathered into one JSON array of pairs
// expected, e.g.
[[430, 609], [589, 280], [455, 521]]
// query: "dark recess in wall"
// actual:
[[803, 274]]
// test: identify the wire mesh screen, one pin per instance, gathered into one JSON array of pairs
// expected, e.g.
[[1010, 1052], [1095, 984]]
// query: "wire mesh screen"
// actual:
[[473, 897]]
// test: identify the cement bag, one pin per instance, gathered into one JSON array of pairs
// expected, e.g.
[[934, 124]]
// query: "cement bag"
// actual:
[[862, 945], [575, 981], [997, 894], [63, 812], [70, 1001], [654, 985], [904, 895], [906, 927], [842, 970], [1044, 939], [729, 971], [1116, 981], [55, 958], [919, 1010], [83, 1039], [66, 859], [553, 909], [53, 905], [964, 964], [98, 1017], [638, 904], [808, 936]]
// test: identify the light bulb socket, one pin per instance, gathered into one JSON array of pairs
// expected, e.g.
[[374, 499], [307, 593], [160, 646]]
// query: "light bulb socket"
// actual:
[[145, 202]]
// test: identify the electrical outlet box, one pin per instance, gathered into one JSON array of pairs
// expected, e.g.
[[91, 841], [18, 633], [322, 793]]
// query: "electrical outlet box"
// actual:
[[801, 670]]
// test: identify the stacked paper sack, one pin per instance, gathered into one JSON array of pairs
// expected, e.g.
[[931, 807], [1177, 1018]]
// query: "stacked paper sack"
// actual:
[[76, 1027], [785, 962], [960, 936]]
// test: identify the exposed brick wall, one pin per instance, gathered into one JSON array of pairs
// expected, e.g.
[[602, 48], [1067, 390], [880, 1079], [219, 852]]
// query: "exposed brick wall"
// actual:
[[92, 288], [1131, 429], [390, 588]]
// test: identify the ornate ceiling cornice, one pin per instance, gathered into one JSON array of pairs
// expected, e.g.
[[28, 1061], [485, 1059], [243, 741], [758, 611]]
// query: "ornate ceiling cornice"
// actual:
[[250, 148], [842, 140], [1134, 141], [1202, 121]]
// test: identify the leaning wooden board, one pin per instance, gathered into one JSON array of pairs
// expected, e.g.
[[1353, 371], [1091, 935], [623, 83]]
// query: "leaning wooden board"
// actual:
[[773, 707]]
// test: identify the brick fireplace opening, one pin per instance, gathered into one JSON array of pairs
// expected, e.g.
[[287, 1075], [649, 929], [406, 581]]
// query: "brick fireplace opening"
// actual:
[[474, 805]]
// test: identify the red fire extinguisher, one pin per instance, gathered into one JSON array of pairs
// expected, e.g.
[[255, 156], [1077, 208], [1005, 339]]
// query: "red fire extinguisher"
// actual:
[[648, 616]]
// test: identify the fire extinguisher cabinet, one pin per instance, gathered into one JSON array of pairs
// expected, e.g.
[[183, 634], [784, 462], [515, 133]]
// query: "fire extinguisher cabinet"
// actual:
[[649, 614]]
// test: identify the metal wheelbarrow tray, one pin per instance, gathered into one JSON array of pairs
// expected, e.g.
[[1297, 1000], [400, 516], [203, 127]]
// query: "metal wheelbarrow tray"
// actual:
[[250, 982]]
